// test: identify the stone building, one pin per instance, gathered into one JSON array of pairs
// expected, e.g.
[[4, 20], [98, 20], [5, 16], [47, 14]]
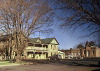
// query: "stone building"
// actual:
[[90, 51], [72, 53], [85, 52]]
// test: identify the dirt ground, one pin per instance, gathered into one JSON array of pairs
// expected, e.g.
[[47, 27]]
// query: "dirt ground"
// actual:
[[48, 67]]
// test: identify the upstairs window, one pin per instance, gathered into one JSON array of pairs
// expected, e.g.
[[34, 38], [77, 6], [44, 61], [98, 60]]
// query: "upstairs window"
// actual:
[[45, 46], [51, 46], [38, 45], [30, 44]]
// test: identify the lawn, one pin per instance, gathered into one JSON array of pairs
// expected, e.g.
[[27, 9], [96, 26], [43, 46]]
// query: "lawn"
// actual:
[[7, 63], [4, 62]]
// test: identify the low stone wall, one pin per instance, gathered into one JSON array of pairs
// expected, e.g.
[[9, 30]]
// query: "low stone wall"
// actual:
[[31, 61], [85, 62], [78, 62]]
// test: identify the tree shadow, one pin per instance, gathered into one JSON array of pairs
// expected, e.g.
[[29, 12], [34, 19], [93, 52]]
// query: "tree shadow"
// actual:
[[96, 70]]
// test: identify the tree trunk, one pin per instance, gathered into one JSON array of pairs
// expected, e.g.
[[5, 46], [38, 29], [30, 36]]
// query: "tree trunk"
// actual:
[[18, 57]]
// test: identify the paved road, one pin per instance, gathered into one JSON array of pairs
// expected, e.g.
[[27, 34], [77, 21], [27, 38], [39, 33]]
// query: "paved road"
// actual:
[[48, 67]]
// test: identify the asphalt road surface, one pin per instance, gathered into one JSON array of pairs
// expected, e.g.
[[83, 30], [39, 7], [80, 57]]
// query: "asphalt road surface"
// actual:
[[48, 67]]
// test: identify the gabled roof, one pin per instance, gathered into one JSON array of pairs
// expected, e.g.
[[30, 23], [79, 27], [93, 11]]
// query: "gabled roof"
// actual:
[[34, 40], [43, 41], [48, 40]]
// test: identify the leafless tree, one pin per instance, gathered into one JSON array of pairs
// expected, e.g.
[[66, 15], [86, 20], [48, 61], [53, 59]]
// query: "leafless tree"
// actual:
[[89, 44], [85, 11], [80, 46], [21, 17]]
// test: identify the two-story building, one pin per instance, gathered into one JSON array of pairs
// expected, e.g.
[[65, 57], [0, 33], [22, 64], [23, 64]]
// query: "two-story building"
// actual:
[[41, 48], [35, 48]]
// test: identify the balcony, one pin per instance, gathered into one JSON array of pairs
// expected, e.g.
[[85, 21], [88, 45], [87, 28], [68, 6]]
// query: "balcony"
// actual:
[[36, 49]]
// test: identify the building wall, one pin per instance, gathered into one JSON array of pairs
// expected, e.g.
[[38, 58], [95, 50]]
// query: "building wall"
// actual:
[[75, 52], [83, 52], [33, 52], [61, 55], [90, 52], [98, 52], [36, 56], [52, 50], [45, 52]]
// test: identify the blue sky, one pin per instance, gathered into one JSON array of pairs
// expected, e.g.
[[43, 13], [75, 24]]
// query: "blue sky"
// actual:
[[67, 36]]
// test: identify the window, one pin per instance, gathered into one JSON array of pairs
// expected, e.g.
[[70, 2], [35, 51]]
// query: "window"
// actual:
[[46, 55], [45, 46], [51, 54], [93, 52], [54, 48], [51, 46], [33, 55], [39, 54], [84, 51], [28, 53], [38, 45], [30, 44]]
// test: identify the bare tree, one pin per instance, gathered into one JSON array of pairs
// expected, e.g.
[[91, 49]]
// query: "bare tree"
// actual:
[[80, 46], [89, 44], [85, 11], [21, 17], [2, 50]]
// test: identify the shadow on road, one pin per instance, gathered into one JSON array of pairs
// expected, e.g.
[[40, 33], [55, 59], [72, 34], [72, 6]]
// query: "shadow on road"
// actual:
[[96, 70]]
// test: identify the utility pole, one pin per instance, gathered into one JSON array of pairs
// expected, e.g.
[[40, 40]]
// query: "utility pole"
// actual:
[[39, 34]]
